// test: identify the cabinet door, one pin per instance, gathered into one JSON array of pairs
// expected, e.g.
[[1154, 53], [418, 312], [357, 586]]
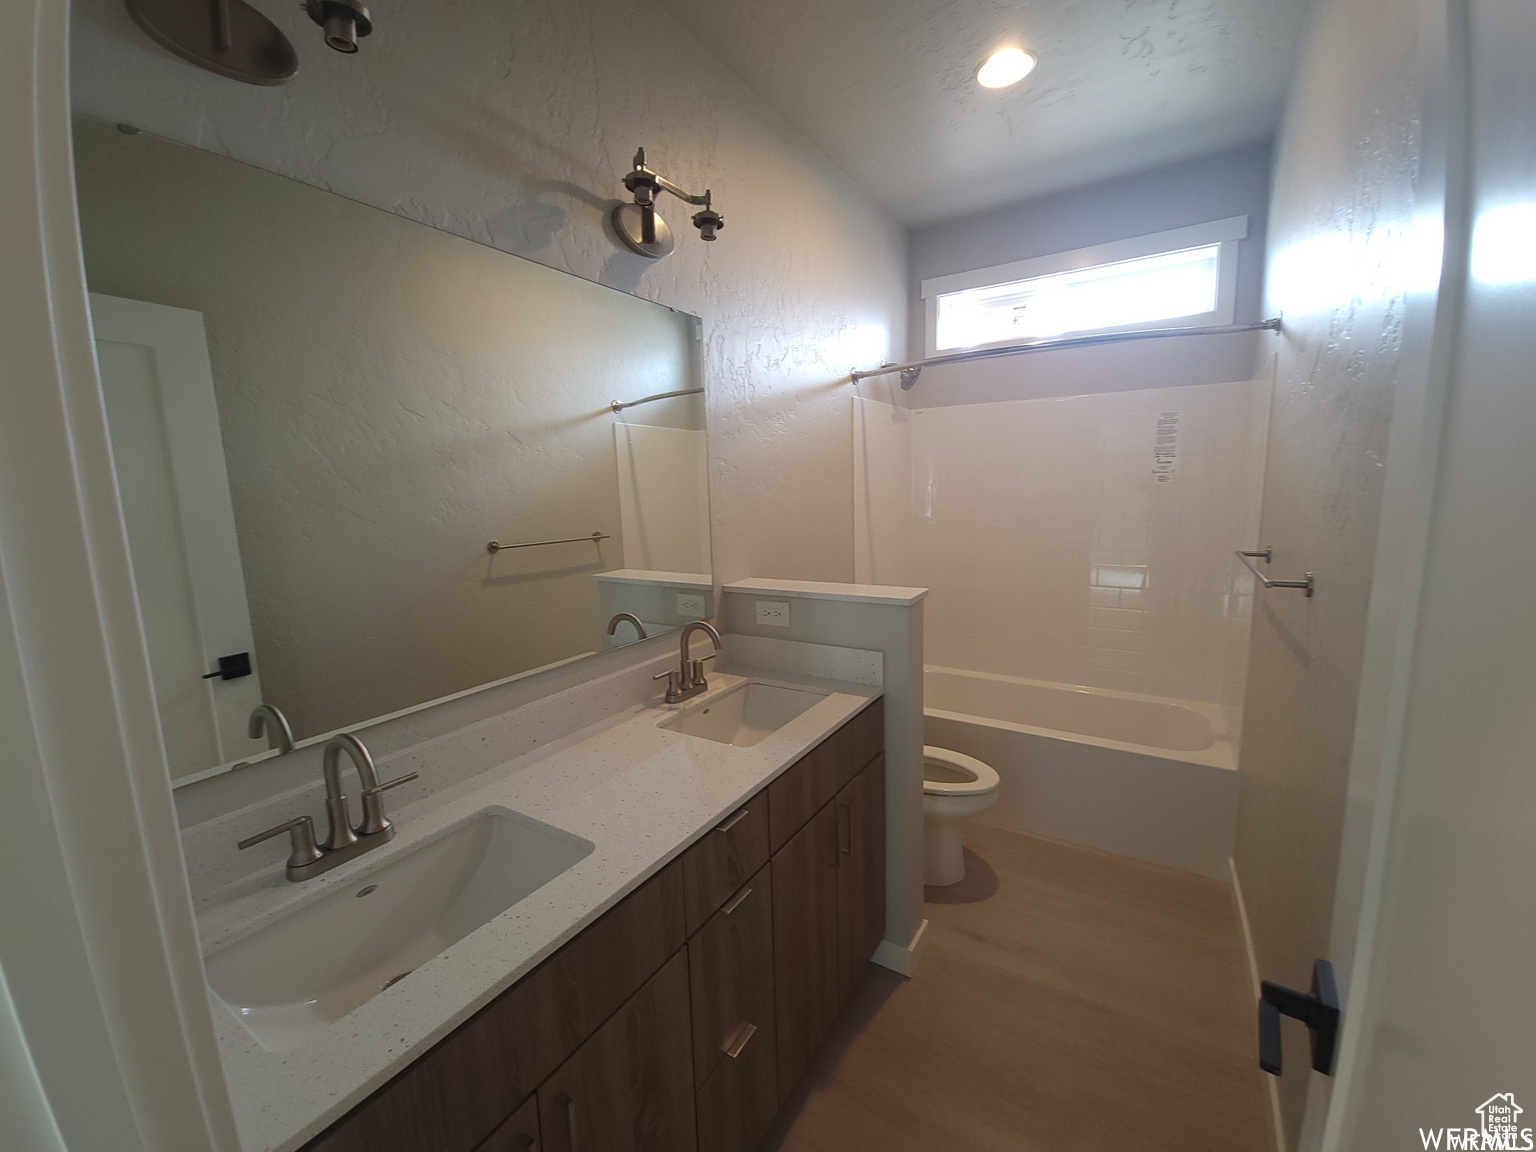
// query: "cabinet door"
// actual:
[[519, 1132], [730, 971], [805, 946], [740, 1099], [860, 875], [630, 1087]]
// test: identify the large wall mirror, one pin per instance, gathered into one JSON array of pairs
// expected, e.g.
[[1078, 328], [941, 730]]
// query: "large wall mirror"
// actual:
[[321, 416]]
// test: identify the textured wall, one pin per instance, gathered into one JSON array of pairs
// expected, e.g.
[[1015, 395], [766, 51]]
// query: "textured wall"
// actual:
[[512, 123], [1234, 183], [1343, 265]]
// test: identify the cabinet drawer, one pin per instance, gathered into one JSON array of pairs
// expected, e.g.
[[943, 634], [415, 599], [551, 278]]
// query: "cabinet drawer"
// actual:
[[630, 1087], [739, 1100], [519, 1132], [719, 864], [730, 970], [452, 1098], [800, 793]]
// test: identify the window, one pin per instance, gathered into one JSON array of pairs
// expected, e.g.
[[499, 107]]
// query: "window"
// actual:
[[1181, 278]]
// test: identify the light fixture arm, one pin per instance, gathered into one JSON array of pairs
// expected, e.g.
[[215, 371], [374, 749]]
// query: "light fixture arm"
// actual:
[[639, 226]]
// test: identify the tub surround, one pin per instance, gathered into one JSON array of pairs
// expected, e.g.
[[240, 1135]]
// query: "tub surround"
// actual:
[[638, 792]]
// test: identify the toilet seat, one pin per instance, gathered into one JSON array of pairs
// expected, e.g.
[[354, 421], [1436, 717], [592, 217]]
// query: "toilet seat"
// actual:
[[974, 777]]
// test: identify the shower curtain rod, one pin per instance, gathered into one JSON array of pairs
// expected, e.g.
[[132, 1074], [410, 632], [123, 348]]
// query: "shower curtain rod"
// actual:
[[620, 405], [909, 371]]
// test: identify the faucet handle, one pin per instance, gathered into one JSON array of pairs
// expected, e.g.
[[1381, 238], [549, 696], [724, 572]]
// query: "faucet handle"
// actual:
[[301, 847], [373, 807]]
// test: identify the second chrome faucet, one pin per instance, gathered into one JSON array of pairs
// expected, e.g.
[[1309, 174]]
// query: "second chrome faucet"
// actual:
[[687, 679], [343, 840]]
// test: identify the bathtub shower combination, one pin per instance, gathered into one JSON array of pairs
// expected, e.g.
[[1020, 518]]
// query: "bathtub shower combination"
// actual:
[[1139, 775]]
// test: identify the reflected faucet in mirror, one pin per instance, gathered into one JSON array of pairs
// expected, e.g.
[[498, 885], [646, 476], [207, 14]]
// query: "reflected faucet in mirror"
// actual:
[[270, 716], [343, 841], [687, 679], [613, 625]]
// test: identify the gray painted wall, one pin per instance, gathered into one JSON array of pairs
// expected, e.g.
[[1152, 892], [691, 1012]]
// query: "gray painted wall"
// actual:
[[1232, 183]]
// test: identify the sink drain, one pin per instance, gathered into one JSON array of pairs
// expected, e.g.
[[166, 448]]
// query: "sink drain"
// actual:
[[393, 980]]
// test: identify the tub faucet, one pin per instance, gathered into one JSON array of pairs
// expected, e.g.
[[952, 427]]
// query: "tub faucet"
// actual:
[[613, 625], [342, 841], [688, 678]]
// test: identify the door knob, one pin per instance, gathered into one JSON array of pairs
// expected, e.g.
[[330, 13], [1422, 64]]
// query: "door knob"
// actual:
[[1319, 1011]]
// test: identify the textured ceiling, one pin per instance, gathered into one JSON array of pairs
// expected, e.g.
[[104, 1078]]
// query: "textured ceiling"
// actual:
[[886, 88]]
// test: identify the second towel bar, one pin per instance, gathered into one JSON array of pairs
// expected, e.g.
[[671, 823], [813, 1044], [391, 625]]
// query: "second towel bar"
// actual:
[[1267, 554], [496, 546]]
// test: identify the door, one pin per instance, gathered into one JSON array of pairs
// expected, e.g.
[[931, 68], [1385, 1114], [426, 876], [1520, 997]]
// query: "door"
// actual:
[[629, 1088], [168, 456], [805, 943], [1358, 195], [860, 875]]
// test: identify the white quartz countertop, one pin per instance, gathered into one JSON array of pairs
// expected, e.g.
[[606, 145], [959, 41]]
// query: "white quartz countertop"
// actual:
[[640, 793]]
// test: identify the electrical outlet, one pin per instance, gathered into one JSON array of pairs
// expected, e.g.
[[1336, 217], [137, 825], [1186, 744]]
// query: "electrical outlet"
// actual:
[[774, 613], [691, 605]]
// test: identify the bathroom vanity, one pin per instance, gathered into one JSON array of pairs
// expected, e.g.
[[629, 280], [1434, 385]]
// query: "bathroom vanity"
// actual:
[[686, 1014], [634, 933]]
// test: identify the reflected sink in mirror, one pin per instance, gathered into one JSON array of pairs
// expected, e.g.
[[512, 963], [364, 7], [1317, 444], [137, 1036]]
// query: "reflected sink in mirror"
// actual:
[[746, 715], [289, 981]]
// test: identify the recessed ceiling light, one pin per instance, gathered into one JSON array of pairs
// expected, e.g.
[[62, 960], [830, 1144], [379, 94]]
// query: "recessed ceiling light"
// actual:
[[1004, 67]]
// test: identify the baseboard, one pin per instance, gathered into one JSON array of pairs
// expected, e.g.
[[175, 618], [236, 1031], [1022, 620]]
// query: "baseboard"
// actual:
[[903, 958], [1276, 1130]]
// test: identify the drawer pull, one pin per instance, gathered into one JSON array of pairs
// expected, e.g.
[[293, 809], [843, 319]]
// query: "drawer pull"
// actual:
[[844, 829], [731, 821], [736, 1046], [735, 901]]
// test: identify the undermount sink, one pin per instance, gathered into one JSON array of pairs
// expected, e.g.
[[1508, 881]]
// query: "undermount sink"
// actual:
[[290, 980], [746, 715]]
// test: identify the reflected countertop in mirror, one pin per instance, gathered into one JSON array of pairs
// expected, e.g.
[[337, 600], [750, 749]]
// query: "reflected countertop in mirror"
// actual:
[[322, 413]]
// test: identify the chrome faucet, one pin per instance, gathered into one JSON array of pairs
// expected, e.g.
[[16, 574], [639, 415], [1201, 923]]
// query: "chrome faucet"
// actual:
[[613, 625], [343, 841], [688, 678], [265, 716]]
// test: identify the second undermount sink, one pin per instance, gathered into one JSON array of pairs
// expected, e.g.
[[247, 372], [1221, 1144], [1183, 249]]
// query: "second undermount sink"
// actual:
[[290, 980], [746, 715]]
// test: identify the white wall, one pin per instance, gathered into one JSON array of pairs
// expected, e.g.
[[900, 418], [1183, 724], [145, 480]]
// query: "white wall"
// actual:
[[514, 126], [1354, 203], [1052, 549], [1444, 1009], [1233, 183]]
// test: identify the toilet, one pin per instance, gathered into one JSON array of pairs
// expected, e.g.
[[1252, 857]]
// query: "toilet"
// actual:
[[955, 786]]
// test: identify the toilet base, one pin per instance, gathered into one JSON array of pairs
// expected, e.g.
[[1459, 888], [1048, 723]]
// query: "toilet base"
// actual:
[[943, 854]]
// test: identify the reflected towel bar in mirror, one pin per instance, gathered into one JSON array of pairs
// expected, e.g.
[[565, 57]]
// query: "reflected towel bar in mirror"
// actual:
[[496, 546], [1266, 554], [620, 405]]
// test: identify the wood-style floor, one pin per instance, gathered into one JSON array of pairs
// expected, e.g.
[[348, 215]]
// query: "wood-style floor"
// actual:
[[1068, 1001]]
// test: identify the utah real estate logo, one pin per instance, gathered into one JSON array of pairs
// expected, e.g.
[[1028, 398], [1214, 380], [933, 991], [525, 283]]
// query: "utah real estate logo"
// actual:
[[1500, 1128]]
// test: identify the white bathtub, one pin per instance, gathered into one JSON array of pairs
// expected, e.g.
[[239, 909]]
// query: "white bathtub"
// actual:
[[1139, 775]]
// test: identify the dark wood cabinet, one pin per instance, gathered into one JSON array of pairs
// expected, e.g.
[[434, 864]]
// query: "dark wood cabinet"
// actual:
[[805, 944], [730, 970], [630, 1087], [717, 866], [860, 874], [738, 1102], [683, 1017], [807, 786], [519, 1132]]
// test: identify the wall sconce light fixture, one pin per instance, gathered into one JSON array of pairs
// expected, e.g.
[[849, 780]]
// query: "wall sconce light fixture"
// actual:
[[345, 22], [641, 227]]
